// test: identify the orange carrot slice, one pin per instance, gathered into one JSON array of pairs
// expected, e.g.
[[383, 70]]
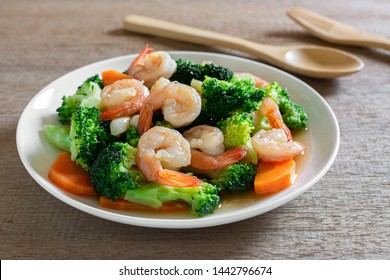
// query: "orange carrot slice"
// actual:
[[69, 176], [121, 204], [111, 76], [272, 177]]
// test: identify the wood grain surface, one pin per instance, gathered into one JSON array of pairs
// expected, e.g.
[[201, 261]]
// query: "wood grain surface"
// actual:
[[345, 215]]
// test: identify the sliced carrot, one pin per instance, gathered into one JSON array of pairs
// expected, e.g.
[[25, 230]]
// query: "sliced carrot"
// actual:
[[122, 204], [272, 177], [69, 176], [111, 76]]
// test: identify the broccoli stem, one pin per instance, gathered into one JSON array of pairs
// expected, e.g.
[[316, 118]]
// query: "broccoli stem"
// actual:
[[57, 136], [203, 199], [154, 195]]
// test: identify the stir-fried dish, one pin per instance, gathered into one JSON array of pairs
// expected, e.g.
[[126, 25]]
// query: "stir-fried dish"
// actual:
[[170, 135]]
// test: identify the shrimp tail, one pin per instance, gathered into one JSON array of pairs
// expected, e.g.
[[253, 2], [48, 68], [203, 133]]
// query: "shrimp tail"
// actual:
[[177, 179], [145, 118], [146, 50], [270, 109], [233, 155], [202, 161], [124, 110], [275, 123], [288, 132], [139, 60]]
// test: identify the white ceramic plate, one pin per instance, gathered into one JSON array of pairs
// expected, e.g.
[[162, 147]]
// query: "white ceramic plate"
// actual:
[[321, 140]]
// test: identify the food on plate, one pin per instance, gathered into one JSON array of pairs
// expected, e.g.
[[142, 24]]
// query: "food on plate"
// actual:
[[186, 71], [174, 135], [87, 95], [149, 66], [70, 176], [87, 135], [294, 116], [180, 105], [272, 177]]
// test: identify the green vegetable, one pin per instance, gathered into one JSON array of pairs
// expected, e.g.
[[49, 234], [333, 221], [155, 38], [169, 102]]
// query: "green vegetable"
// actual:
[[88, 135], [251, 155], [236, 129], [112, 173], [85, 138], [294, 116], [220, 99], [87, 95], [238, 177], [215, 71], [204, 199], [95, 79], [132, 136], [187, 70], [262, 123], [57, 136]]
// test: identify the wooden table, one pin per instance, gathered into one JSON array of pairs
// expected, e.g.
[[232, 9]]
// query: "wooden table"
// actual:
[[346, 215]]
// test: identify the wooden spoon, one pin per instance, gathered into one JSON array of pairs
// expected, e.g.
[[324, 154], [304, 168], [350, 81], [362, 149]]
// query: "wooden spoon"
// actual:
[[312, 61]]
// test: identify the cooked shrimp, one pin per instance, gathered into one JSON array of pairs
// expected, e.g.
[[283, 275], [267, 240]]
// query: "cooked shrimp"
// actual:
[[160, 152], [270, 110], [205, 162], [273, 145], [180, 104], [259, 82], [123, 98], [149, 66], [159, 84], [208, 139]]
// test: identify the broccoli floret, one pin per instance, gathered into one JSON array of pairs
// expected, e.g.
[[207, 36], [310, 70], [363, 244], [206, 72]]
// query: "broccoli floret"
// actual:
[[112, 174], [68, 106], [294, 116], [238, 177], [86, 95], [220, 99], [236, 129], [215, 71], [276, 92], [85, 138], [88, 135], [132, 136], [96, 79], [203, 199], [187, 70]]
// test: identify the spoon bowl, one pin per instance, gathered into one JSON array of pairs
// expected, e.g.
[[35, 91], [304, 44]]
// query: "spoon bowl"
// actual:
[[312, 61], [321, 62]]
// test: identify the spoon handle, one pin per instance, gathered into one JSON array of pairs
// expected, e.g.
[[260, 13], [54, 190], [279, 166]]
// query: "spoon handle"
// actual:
[[369, 40], [185, 33]]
